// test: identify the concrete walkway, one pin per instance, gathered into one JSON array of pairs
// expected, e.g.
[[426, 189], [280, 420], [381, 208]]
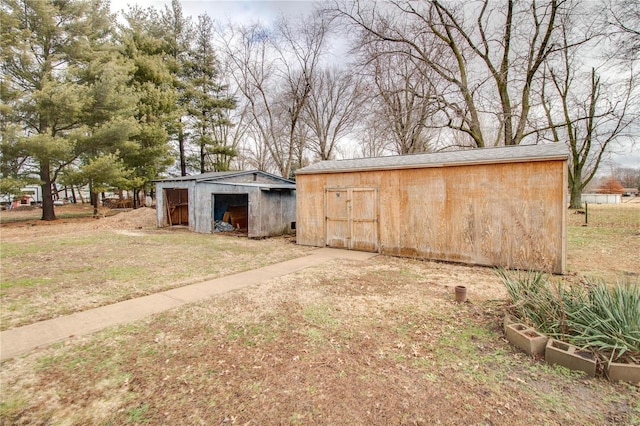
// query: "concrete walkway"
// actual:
[[21, 340]]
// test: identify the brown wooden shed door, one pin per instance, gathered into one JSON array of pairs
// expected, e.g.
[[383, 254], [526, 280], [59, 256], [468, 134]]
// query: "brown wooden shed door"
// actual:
[[352, 218], [177, 206]]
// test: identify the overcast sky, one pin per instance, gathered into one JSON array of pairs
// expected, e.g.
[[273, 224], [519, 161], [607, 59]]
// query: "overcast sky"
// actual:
[[266, 11], [228, 10]]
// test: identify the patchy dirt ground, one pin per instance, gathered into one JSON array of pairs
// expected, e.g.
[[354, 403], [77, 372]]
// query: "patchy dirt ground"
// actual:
[[56, 268], [75, 218], [360, 343], [376, 342]]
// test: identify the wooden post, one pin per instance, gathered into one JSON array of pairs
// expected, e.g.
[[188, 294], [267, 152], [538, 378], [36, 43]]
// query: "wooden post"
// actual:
[[586, 213], [167, 207]]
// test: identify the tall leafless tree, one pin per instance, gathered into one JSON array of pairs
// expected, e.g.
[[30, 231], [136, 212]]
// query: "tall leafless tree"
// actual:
[[372, 133], [489, 53], [331, 110], [273, 68], [622, 20], [405, 101], [591, 121], [252, 67], [302, 46]]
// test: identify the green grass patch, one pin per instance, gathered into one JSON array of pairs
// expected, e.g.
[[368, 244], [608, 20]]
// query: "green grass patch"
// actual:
[[137, 415], [11, 407], [126, 273], [585, 237], [24, 282], [252, 334], [319, 316], [621, 215]]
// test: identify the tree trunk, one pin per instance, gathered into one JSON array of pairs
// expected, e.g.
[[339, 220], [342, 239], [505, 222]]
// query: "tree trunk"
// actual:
[[80, 195], [576, 198], [181, 142], [47, 196], [136, 198], [575, 187], [203, 158], [94, 203], [93, 199]]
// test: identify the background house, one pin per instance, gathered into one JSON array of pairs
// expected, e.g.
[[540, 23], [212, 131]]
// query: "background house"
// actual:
[[259, 202], [495, 206]]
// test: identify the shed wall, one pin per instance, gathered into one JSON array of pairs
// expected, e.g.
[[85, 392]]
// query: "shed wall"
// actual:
[[270, 213], [204, 207], [511, 215], [161, 212], [278, 212]]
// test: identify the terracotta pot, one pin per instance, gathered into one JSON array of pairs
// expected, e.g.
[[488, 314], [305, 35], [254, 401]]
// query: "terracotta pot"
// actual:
[[461, 293]]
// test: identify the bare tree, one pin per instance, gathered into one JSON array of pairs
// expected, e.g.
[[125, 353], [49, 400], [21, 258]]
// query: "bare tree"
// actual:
[[273, 69], [252, 66], [490, 55], [254, 152], [300, 53], [629, 177], [590, 121], [372, 133], [405, 100], [331, 110], [623, 27]]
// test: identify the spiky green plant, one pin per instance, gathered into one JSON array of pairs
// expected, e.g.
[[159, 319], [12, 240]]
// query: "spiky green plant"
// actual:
[[593, 315], [609, 320], [533, 300]]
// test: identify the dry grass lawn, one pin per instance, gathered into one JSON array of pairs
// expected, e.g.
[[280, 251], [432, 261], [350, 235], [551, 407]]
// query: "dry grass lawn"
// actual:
[[56, 268], [373, 342], [608, 246]]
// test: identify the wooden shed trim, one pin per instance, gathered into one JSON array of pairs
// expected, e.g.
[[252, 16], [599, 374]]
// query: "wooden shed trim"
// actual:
[[431, 165], [478, 156]]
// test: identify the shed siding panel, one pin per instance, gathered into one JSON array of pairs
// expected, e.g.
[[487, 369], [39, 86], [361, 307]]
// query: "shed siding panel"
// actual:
[[255, 211], [203, 209], [509, 214], [337, 218], [278, 211]]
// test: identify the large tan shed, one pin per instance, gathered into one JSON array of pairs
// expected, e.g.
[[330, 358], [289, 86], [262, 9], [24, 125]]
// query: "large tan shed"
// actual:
[[502, 206]]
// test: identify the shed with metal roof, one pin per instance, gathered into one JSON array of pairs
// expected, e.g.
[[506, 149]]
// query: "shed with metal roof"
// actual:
[[255, 202], [503, 206]]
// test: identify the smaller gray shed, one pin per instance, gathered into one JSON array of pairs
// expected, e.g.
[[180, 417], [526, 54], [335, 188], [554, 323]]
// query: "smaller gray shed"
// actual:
[[261, 203]]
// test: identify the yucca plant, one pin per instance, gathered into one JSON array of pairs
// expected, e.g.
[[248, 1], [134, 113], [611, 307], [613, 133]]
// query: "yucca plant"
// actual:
[[608, 320], [533, 300], [593, 315]]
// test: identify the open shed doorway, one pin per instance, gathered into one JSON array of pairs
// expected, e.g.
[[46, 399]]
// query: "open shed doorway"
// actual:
[[232, 209], [177, 206]]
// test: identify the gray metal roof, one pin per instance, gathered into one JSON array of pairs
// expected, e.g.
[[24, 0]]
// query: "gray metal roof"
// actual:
[[262, 186], [213, 176], [504, 154]]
